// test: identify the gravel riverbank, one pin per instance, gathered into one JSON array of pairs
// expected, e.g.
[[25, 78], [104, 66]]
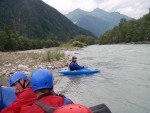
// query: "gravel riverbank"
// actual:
[[29, 60]]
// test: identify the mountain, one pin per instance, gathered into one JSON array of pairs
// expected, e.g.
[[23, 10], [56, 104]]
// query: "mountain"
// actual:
[[36, 19], [128, 31], [76, 15], [97, 21], [88, 22]]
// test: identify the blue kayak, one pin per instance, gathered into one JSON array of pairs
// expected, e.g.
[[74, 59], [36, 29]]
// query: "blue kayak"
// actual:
[[85, 71]]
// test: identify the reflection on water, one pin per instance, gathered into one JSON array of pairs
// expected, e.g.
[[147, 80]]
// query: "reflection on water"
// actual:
[[123, 84]]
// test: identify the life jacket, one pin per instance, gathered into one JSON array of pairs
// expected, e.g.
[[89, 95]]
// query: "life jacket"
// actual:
[[46, 108], [50, 109]]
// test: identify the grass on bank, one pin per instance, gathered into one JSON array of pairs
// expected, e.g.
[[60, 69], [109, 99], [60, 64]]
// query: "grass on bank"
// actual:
[[18, 58], [55, 55]]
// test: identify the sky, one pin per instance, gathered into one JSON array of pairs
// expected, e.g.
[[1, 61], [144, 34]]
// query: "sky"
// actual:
[[132, 8]]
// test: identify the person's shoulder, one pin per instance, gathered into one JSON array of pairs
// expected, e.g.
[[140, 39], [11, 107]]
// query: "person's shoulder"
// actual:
[[27, 93], [29, 90], [53, 97], [72, 63]]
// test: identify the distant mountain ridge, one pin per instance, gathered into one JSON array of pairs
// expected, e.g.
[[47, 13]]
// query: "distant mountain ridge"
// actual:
[[36, 19], [97, 21]]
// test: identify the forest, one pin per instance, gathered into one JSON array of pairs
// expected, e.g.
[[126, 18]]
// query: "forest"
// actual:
[[128, 31]]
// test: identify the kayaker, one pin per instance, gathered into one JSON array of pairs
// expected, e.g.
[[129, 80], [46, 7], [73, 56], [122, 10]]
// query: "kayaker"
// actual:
[[7, 96], [73, 65], [25, 95], [42, 85], [73, 108]]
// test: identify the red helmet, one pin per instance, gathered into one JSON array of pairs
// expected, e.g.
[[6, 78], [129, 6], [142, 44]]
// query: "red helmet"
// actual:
[[73, 108]]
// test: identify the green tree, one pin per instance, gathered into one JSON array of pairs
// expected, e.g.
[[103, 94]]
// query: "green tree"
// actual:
[[128, 31], [14, 41], [88, 40], [3, 41], [8, 38]]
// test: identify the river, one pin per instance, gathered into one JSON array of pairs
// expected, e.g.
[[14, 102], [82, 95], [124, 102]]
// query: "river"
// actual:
[[123, 84]]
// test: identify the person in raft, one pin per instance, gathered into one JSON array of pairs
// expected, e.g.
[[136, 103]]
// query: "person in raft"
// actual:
[[42, 85], [25, 95], [73, 65]]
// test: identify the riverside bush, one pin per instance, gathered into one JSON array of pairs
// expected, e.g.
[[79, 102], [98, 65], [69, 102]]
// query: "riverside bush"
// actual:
[[78, 44], [53, 55]]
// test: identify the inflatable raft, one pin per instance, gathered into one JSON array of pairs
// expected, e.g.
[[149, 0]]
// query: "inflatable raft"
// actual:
[[7, 96], [85, 71]]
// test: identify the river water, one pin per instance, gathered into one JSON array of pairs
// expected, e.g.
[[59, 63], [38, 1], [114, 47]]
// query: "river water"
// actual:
[[123, 84]]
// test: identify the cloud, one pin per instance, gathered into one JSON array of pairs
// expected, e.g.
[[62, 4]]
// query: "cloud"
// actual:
[[132, 8]]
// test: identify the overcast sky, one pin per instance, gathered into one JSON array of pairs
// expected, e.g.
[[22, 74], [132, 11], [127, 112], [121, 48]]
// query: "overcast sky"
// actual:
[[132, 8]]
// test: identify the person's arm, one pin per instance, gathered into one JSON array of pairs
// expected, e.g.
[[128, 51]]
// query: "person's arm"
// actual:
[[13, 108], [23, 99], [66, 100]]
